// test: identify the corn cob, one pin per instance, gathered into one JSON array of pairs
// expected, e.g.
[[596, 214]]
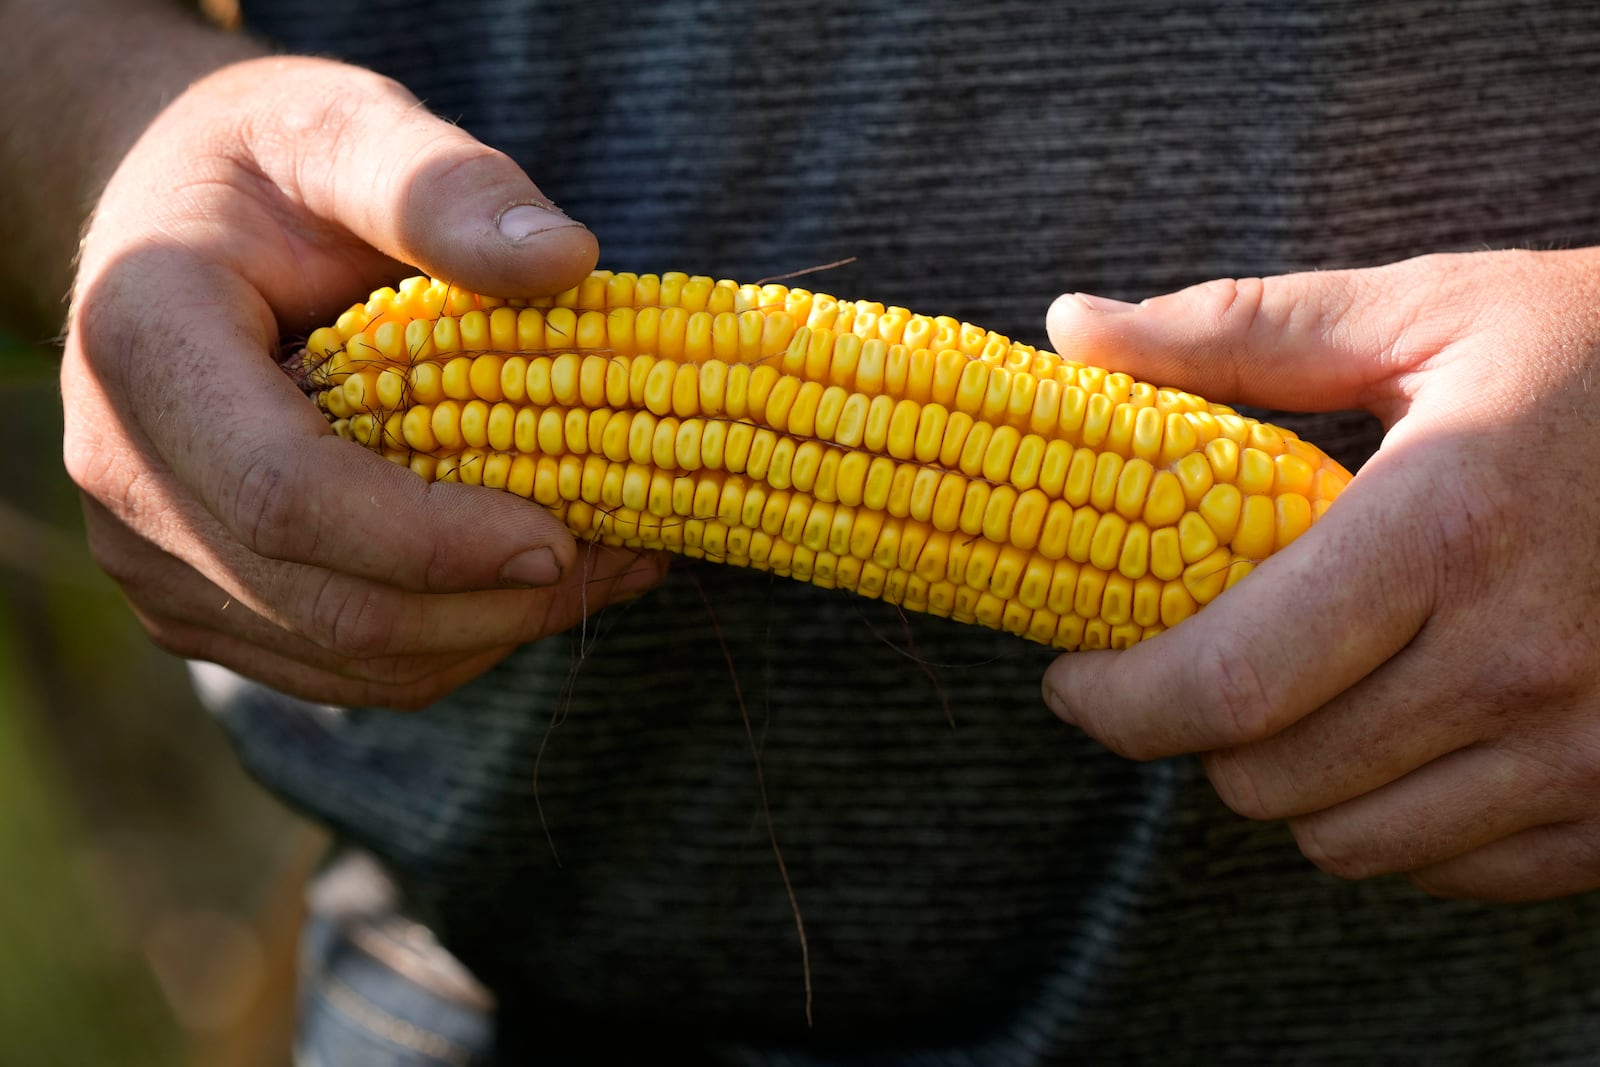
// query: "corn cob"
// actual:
[[924, 461]]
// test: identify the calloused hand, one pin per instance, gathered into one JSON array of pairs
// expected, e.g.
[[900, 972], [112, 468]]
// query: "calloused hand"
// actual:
[[1415, 683], [264, 199]]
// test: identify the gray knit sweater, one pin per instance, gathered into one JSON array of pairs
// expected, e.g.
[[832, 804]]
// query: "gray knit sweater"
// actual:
[[979, 883]]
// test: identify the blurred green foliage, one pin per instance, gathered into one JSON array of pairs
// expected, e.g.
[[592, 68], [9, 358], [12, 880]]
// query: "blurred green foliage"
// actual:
[[136, 856], [72, 990]]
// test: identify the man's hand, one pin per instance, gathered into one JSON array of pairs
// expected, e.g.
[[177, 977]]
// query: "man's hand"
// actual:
[[267, 197], [1415, 683]]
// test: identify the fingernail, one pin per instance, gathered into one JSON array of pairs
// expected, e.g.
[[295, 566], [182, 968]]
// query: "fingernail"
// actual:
[[1103, 303], [522, 221], [537, 566]]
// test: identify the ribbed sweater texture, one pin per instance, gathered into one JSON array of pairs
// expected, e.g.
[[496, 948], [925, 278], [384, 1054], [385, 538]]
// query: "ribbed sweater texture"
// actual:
[[979, 883]]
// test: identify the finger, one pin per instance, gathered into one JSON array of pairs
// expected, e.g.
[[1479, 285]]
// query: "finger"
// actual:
[[268, 654], [330, 620], [1414, 708], [424, 191], [1457, 803], [1314, 341], [177, 606], [191, 376], [314, 683], [1307, 624], [1539, 863], [360, 619]]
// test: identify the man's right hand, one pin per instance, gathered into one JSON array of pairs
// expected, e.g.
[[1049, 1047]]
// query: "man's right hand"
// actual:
[[265, 199]]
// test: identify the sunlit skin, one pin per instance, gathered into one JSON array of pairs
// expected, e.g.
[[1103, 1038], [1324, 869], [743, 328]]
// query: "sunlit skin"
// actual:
[[1415, 683]]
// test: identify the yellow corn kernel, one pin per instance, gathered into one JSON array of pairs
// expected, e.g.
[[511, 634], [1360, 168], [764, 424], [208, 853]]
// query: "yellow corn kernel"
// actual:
[[1220, 507], [1166, 553], [1103, 484], [1256, 533], [1223, 455], [1166, 501], [923, 461], [1257, 471], [1133, 486], [1293, 519]]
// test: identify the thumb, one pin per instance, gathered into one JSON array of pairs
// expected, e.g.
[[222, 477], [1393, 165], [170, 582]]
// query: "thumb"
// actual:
[[1303, 342], [427, 193]]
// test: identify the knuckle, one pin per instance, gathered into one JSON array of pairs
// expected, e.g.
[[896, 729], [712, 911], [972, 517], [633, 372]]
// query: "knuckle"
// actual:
[[348, 620], [342, 103], [88, 464], [1238, 786], [439, 566], [1234, 700], [1558, 774], [1476, 524], [186, 642], [1578, 769], [1338, 857], [1540, 674], [1105, 729], [104, 470], [261, 505], [1234, 302], [1129, 740], [1558, 673]]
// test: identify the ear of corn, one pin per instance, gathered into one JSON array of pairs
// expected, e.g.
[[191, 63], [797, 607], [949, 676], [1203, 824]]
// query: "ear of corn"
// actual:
[[921, 460]]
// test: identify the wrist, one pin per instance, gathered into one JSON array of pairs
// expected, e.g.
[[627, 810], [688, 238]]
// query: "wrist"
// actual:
[[84, 78]]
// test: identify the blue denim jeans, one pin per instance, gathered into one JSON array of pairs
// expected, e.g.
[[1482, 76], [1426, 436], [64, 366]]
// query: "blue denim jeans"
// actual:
[[376, 990]]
